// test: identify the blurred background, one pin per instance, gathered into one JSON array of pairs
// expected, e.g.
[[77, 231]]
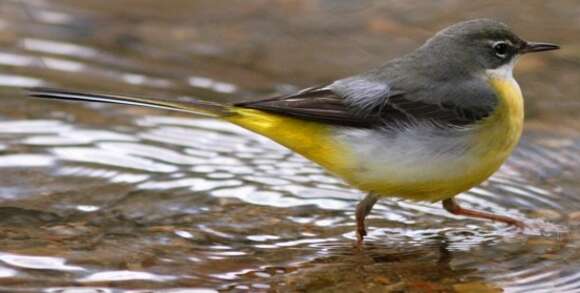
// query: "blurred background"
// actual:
[[108, 198]]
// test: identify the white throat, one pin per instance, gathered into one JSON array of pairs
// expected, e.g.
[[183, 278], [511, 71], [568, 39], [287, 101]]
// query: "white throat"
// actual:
[[505, 72]]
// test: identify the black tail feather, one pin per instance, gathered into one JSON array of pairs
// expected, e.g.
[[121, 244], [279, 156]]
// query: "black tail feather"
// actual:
[[193, 106]]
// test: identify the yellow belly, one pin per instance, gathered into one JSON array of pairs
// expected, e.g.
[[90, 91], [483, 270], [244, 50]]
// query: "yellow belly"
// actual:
[[490, 144]]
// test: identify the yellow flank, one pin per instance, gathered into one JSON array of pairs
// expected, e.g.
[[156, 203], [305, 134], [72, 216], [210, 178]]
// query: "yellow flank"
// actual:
[[312, 140]]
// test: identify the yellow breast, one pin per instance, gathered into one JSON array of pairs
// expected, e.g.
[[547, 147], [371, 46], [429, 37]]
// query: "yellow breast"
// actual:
[[500, 132], [493, 140]]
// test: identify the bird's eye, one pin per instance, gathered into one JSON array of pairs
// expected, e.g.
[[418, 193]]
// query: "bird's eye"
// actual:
[[501, 49]]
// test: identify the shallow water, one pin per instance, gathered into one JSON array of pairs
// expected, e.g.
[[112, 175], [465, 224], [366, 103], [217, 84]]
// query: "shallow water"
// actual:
[[111, 198]]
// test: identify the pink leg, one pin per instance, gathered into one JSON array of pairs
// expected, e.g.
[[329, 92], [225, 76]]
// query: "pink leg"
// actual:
[[363, 208], [453, 207]]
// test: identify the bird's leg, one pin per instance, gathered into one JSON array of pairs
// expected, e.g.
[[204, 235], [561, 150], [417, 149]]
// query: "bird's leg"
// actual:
[[363, 208], [453, 207]]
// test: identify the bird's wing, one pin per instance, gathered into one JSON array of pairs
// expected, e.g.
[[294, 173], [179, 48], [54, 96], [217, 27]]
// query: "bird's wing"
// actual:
[[362, 103], [318, 104]]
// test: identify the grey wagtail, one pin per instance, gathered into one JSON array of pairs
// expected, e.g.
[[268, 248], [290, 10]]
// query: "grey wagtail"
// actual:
[[425, 127]]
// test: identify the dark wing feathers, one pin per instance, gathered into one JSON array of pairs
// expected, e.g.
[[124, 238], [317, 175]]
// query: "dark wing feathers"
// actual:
[[317, 104], [394, 109]]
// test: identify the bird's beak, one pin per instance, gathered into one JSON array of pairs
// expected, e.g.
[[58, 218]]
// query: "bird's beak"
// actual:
[[530, 47]]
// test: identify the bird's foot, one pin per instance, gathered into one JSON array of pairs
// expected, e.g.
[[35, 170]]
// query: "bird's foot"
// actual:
[[453, 207]]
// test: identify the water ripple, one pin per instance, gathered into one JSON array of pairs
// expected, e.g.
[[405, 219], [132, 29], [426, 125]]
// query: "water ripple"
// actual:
[[37, 262], [116, 276], [59, 48], [19, 81]]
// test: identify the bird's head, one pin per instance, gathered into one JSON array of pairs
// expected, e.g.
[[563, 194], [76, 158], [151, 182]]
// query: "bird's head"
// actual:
[[481, 44]]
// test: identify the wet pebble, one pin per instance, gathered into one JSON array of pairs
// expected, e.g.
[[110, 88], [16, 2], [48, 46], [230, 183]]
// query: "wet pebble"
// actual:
[[383, 280], [546, 214], [69, 231], [475, 287], [574, 217]]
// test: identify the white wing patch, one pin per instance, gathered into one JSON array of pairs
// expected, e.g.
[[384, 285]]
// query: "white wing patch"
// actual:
[[361, 93]]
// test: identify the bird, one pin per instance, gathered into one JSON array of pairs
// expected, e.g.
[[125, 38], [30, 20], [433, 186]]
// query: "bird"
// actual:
[[426, 126]]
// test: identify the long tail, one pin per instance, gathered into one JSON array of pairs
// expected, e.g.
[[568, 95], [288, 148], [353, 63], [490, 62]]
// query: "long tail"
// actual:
[[193, 106]]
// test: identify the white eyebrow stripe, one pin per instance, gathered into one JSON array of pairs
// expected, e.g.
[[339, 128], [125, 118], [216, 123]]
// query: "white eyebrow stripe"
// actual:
[[493, 43]]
